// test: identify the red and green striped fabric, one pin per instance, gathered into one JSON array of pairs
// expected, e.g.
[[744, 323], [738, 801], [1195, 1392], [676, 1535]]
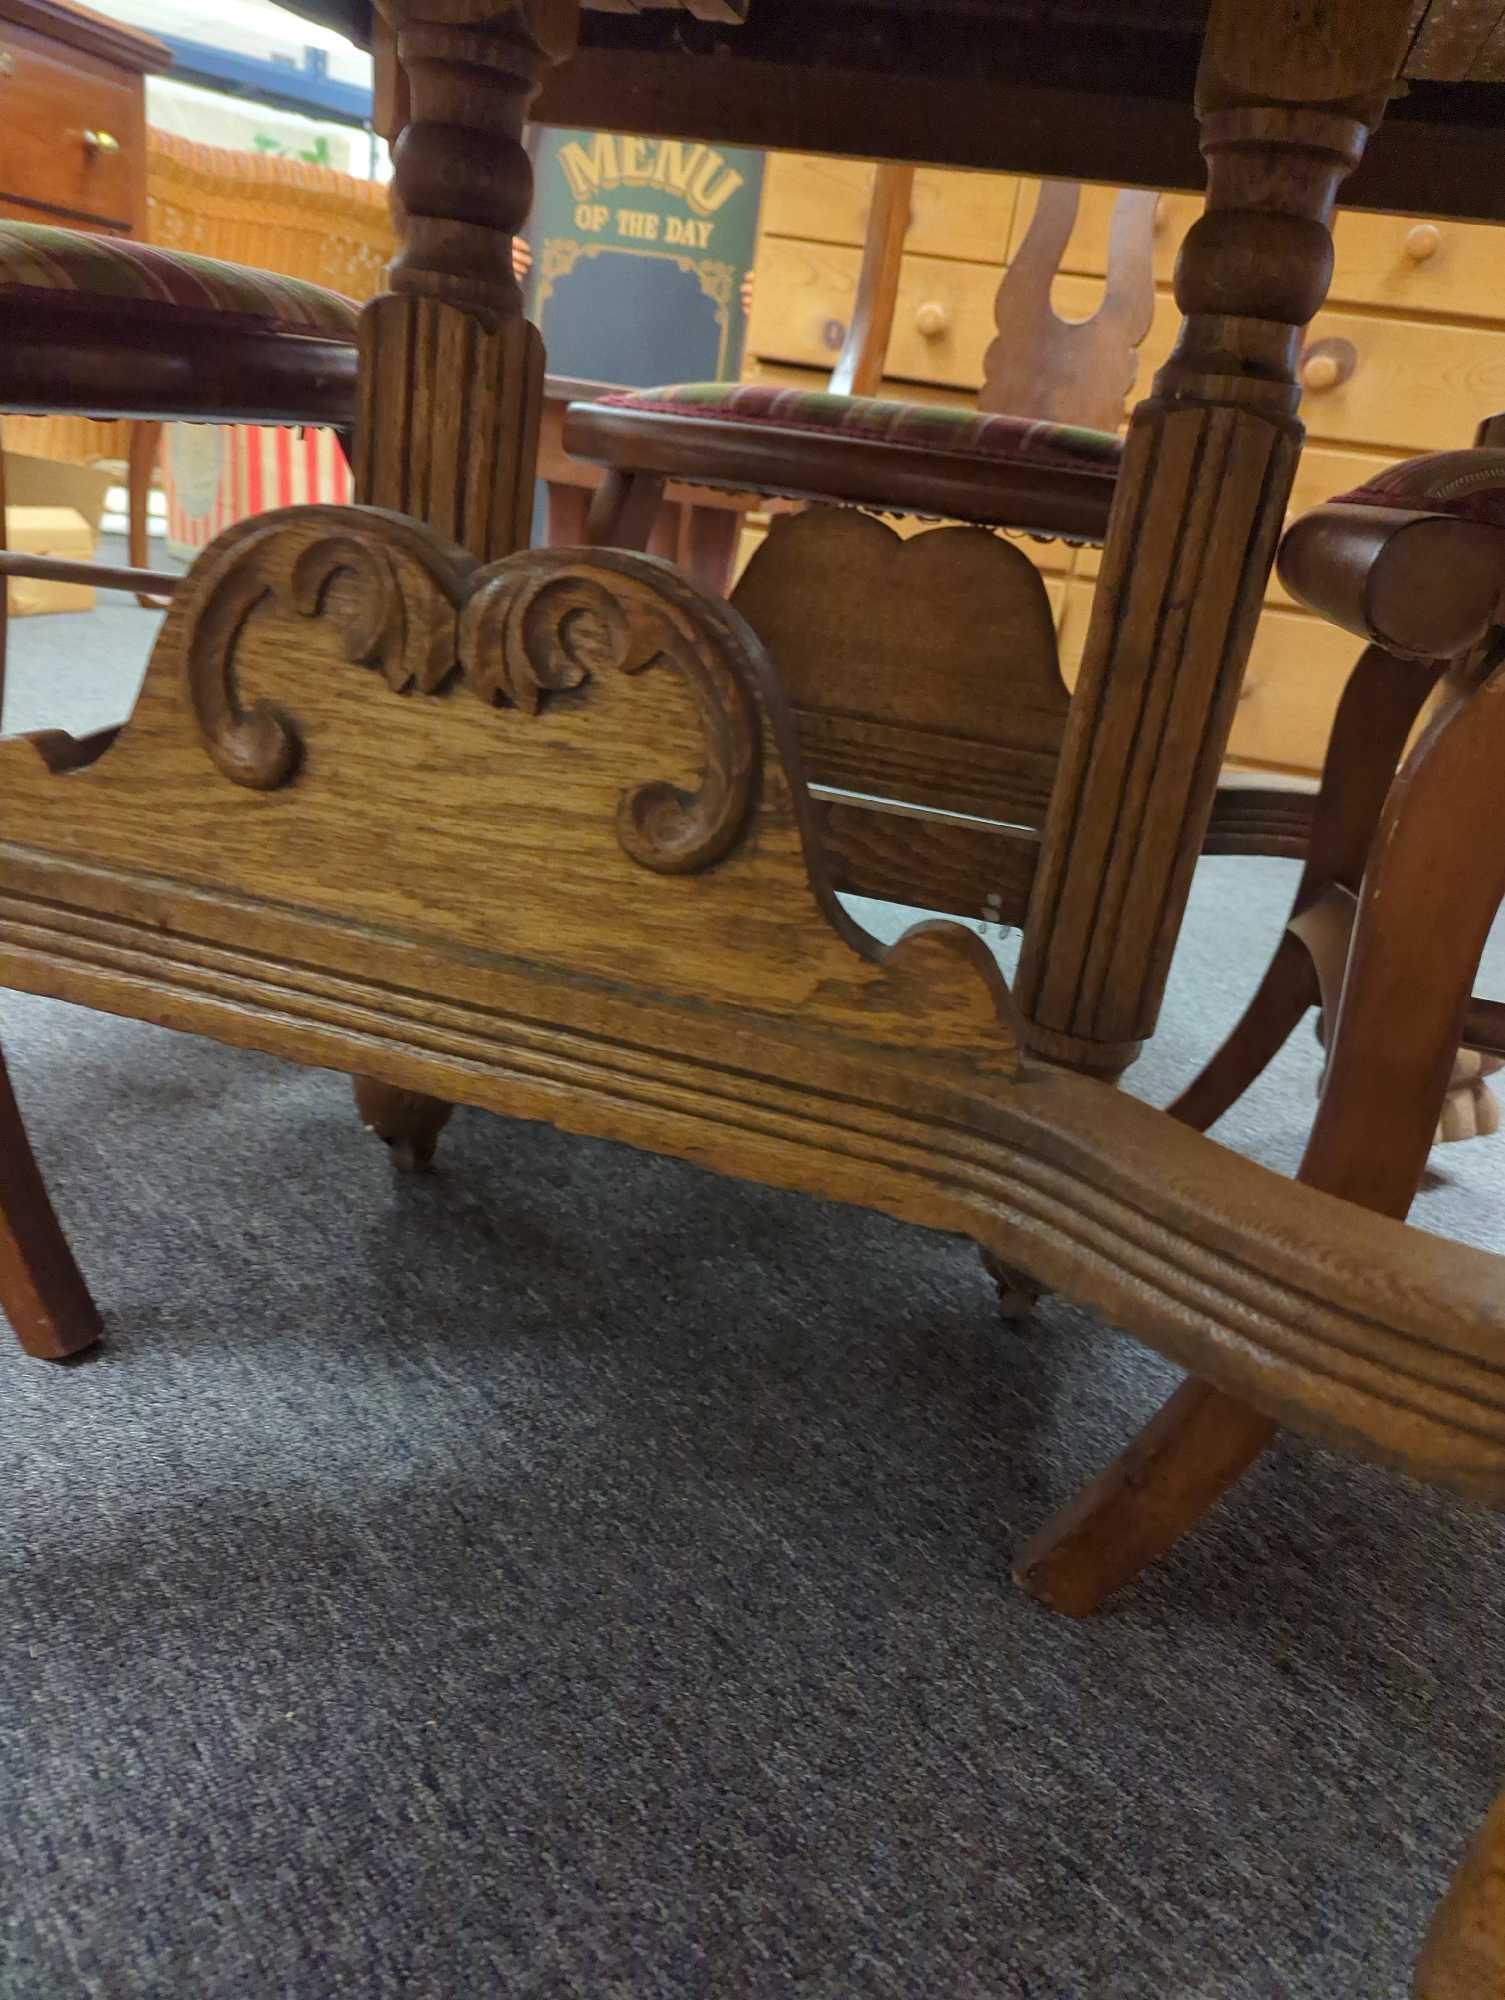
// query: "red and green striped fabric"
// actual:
[[928, 427], [1469, 484], [144, 285]]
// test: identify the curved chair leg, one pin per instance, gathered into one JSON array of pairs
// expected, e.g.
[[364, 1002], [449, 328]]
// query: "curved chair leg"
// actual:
[[624, 510], [1390, 1060], [41, 1287], [1380, 703], [1287, 991], [1464, 1954], [708, 547], [146, 442], [1191, 1451], [405, 1120]]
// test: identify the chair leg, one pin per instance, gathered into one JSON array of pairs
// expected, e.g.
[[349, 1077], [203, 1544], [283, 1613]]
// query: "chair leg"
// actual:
[[4, 589], [1018, 1293], [1380, 704], [146, 442], [1390, 1059], [1287, 990], [41, 1287], [406, 1120], [1182, 1463], [568, 511], [624, 510], [708, 547], [1464, 1954]]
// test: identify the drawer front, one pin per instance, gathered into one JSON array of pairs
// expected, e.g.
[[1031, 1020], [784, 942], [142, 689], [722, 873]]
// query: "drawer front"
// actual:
[[1410, 265], [801, 301], [70, 133], [1452, 269], [1415, 386], [1297, 671], [943, 322], [943, 319], [953, 214]]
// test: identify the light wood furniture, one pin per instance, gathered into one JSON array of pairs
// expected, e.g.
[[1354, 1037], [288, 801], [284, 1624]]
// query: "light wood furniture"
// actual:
[[571, 876], [1418, 303]]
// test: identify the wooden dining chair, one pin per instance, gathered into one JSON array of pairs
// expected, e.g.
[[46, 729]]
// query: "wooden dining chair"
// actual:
[[1405, 875], [114, 328], [109, 327], [696, 525], [1039, 453], [930, 725]]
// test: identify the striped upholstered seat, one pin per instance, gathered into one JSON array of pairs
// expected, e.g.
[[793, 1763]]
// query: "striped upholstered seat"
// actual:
[[922, 458], [928, 427], [145, 288]]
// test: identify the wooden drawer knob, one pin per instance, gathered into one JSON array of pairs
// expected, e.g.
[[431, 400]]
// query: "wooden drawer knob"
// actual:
[[1422, 242], [1328, 363], [932, 320], [101, 143]]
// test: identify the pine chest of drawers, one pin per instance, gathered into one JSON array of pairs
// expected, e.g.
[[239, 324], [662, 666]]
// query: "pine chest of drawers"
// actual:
[[1408, 355]]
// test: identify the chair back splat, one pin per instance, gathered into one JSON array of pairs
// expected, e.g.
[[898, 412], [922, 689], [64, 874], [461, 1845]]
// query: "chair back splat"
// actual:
[[1063, 371]]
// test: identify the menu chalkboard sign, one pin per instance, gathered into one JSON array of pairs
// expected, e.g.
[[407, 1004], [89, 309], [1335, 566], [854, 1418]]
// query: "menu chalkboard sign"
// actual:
[[640, 252]]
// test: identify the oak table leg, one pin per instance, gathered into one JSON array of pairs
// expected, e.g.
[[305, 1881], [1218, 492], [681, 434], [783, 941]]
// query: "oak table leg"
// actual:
[[1419, 932], [1287, 95], [451, 371]]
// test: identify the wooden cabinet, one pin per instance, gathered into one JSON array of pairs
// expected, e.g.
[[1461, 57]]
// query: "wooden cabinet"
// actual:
[[72, 152], [1417, 310], [72, 116]]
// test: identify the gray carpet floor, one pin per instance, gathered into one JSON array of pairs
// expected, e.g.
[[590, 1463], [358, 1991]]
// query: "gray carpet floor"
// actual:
[[573, 1574]]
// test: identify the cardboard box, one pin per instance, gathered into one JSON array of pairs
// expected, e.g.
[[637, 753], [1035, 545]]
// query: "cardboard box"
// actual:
[[48, 531], [49, 482]]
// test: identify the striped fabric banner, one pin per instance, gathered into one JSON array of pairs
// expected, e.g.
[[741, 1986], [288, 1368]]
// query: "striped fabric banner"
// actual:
[[218, 475]]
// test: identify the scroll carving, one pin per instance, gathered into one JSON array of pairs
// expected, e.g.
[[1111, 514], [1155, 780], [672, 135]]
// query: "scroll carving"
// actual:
[[518, 633], [390, 593]]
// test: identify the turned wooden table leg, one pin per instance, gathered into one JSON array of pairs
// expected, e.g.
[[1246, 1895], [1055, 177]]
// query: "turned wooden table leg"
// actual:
[[1417, 937], [42, 1290], [406, 1120], [1287, 95], [1464, 1954], [451, 372]]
